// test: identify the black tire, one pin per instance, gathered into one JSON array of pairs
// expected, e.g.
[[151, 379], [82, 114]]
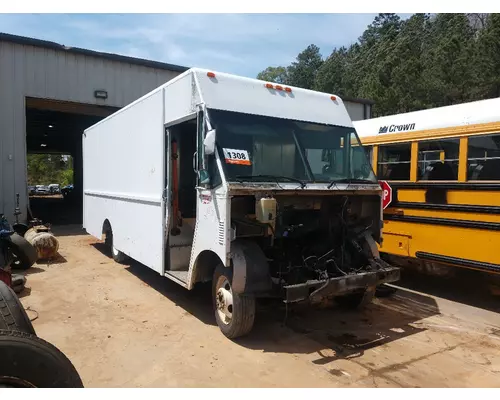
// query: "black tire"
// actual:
[[116, 254], [25, 255], [28, 361], [356, 300], [20, 229], [13, 317], [243, 307]]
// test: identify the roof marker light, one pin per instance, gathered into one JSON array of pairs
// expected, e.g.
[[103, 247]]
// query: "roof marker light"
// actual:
[[333, 98], [287, 89], [269, 85], [278, 87], [210, 74]]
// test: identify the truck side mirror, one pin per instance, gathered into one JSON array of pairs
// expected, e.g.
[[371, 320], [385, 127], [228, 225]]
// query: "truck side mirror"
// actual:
[[209, 142]]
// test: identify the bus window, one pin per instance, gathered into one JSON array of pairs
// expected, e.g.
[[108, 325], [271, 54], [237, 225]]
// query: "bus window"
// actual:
[[394, 162], [483, 158], [438, 160], [369, 150]]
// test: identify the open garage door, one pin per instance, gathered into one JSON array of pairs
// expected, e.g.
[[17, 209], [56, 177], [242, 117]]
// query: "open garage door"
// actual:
[[54, 157]]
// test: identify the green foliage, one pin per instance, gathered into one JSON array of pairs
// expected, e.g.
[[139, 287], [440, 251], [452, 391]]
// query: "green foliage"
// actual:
[[274, 74], [406, 65], [303, 71], [44, 169], [487, 60]]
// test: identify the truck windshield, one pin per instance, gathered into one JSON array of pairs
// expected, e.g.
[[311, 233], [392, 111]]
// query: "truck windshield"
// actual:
[[254, 147]]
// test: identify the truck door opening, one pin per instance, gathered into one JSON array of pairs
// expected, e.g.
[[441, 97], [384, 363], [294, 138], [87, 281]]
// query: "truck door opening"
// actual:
[[181, 210]]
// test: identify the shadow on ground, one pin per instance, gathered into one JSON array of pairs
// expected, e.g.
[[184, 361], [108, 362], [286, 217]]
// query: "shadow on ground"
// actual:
[[466, 287], [68, 230], [343, 333], [197, 302], [335, 333]]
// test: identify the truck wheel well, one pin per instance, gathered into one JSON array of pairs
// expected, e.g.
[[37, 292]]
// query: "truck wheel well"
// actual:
[[205, 265], [106, 227]]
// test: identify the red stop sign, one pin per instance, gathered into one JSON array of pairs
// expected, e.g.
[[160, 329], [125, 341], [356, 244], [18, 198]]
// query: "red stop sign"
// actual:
[[386, 194]]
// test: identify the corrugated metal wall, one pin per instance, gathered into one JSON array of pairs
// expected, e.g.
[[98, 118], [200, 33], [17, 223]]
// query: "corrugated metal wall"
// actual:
[[29, 71]]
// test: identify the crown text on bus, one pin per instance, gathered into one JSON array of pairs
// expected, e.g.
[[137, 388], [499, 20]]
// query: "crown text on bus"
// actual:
[[396, 128]]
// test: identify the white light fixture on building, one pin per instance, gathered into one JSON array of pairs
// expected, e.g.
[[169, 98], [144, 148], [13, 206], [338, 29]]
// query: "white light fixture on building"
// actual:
[[100, 94]]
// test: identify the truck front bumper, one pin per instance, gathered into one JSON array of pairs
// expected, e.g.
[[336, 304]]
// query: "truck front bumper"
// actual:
[[316, 291]]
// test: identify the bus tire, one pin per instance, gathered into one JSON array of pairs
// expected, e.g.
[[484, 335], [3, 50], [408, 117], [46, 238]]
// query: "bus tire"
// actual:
[[13, 316], [28, 361], [234, 313], [356, 300]]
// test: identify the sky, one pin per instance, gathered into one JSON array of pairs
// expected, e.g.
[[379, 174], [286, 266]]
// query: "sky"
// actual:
[[242, 44]]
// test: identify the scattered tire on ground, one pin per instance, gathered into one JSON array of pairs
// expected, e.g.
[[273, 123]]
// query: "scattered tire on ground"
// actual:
[[13, 317], [25, 255], [28, 361]]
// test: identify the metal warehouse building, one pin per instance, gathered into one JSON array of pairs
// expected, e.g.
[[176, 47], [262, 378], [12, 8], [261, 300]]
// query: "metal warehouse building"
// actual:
[[50, 93]]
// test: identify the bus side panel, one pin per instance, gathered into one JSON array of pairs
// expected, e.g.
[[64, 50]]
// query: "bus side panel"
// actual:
[[124, 180], [478, 245]]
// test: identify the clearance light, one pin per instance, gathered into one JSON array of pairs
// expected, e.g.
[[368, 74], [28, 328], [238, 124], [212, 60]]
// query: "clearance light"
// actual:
[[333, 98], [210, 74], [278, 87]]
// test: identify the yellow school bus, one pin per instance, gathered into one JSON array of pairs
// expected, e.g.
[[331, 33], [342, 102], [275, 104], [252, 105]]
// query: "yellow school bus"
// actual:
[[443, 166]]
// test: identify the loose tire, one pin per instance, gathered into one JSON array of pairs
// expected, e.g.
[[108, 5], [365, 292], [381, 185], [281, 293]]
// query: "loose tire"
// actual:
[[356, 300], [20, 228], [25, 255], [28, 361], [13, 317], [234, 313]]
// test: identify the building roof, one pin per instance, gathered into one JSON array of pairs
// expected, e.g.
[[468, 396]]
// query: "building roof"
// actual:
[[23, 40]]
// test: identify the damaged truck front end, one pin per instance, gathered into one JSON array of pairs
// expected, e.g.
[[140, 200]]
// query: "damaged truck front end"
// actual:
[[309, 247], [303, 210]]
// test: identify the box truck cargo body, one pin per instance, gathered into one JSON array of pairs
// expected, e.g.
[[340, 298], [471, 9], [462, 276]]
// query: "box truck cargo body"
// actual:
[[262, 189]]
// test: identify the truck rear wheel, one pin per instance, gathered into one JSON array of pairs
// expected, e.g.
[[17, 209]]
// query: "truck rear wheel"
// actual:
[[357, 300], [117, 255], [234, 313]]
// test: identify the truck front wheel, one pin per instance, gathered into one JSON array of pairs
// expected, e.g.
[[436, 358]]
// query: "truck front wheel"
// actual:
[[235, 313]]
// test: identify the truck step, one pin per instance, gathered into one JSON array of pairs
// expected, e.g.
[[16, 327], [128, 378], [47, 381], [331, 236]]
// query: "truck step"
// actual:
[[178, 276]]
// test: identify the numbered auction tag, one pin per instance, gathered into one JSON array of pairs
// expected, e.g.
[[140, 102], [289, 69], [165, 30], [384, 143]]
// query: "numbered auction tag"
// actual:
[[240, 157]]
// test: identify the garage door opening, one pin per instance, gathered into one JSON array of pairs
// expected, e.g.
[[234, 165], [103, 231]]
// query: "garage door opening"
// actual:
[[54, 157]]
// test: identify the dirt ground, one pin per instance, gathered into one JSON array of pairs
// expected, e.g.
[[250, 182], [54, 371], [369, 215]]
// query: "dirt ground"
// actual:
[[125, 326]]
